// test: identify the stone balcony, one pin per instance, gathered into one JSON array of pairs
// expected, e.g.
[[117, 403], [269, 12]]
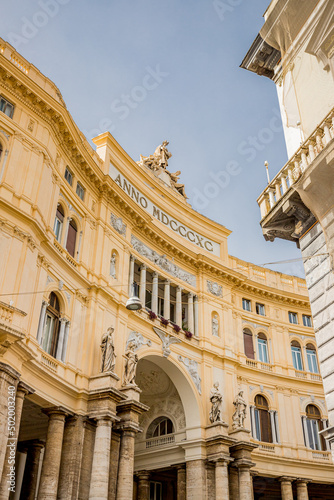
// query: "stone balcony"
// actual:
[[283, 213]]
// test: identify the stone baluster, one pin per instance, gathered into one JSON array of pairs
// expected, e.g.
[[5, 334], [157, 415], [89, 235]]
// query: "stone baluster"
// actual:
[[271, 198], [327, 133], [264, 205], [99, 482], [29, 483], [311, 151], [142, 292], [8, 383], [222, 486], [181, 482], [61, 337], [125, 466], [71, 458], [178, 319], [167, 299], [196, 316], [21, 392], [290, 176], [48, 485], [191, 312], [302, 491], [286, 488], [284, 184], [143, 485], [41, 323], [155, 291], [278, 191], [304, 159], [131, 275], [318, 140]]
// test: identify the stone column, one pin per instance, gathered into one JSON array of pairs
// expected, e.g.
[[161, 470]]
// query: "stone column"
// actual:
[[143, 485], [181, 482], [302, 492], [125, 466], [167, 300], [131, 275], [114, 459], [178, 309], [8, 383], [196, 316], [286, 488], [41, 322], [142, 291], [155, 293], [87, 459], [61, 337], [48, 486], [191, 312], [234, 483], [245, 488], [21, 391], [29, 484], [71, 458], [222, 488], [196, 480], [99, 482]]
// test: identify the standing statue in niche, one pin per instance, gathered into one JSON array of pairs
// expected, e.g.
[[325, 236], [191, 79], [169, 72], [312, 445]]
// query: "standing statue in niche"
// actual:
[[216, 400], [108, 351], [130, 364], [215, 326], [239, 415], [112, 271]]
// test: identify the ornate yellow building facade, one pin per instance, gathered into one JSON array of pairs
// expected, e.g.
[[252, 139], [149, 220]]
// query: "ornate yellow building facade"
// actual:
[[210, 391]]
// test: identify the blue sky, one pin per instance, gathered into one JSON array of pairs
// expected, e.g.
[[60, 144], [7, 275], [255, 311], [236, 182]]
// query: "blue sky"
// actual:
[[150, 70]]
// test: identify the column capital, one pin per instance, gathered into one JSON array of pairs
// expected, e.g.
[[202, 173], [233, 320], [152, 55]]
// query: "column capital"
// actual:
[[286, 479], [143, 475], [143, 267], [11, 372], [132, 257], [155, 274], [223, 461], [190, 295], [300, 480], [179, 288], [180, 467], [24, 388], [57, 412], [244, 464]]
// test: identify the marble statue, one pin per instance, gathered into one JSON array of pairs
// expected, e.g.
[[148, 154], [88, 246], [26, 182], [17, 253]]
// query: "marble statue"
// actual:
[[130, 364], [108, 351], [239, 415], [216, 399], [113, 265], [159, 159], [215, 326], [174, 177]]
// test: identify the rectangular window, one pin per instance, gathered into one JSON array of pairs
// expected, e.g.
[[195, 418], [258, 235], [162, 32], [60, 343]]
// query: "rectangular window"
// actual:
[[246, 305], [293, 318], [148, 299], [68, 176], [6, 107], [161, 307], [263, 350], [297, 358], [155, 490], [307, 321], [80, 191], [260, 309], [312, 361]]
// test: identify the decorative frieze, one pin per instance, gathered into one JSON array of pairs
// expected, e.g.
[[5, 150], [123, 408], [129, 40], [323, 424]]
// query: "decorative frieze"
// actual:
[[214, 288], [192, 368], [167, 340], [117, 224], [162, 262]]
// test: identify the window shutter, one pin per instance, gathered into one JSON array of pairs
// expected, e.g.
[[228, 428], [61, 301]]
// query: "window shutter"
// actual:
[[71, 239], [248, 344], [266, 434]]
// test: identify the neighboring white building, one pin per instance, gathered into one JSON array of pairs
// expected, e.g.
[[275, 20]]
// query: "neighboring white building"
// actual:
[[295, 48]]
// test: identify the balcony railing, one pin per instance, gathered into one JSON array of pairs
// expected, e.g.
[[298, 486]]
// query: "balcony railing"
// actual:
[[259, 365], [294, 168], [160, 441]]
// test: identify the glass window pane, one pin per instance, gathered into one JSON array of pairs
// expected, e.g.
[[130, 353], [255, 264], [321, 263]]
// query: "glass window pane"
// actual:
[[257, 425], [263, 351]]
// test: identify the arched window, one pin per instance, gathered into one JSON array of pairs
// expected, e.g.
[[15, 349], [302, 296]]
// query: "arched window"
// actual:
[[262, 420], [71, 238], [1, 149], [51, 328], [312, 361], [296, 355], [161, 426], [262, 345], [314, 425], [248, 344], [59, 221]]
